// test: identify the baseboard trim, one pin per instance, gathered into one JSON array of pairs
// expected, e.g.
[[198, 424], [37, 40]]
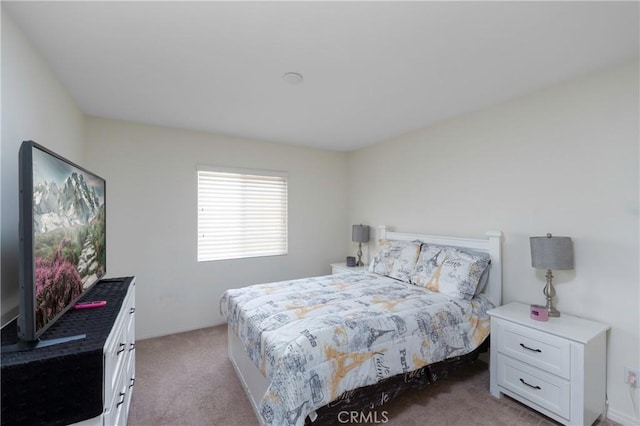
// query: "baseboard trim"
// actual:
[[622, 418]]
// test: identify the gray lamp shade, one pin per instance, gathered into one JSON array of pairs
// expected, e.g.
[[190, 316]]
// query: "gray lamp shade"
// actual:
[[551, 252], [360, 233]]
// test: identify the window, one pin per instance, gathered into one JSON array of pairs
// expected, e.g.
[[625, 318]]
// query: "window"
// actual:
[[241, 213]]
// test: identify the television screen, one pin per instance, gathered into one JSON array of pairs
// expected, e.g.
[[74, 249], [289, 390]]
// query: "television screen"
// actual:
[[62, 236]]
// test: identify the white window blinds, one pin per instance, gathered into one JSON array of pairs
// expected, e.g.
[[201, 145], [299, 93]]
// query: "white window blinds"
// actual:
[[241, 213]]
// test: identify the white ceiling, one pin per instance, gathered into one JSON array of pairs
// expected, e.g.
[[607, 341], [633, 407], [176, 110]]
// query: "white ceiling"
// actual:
[[372, 70]]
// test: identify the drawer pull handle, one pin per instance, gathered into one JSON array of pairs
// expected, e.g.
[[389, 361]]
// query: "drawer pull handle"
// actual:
[[122, 394], [531, 386], [133, 382], [133, 346], [528, 348], [132, 310], [121, 346]]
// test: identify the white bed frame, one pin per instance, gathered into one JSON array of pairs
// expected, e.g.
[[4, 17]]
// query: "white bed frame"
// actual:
[[255, 384]]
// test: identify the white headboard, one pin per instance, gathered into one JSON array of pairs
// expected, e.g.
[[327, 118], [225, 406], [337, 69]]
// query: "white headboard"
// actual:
[[492, 245]]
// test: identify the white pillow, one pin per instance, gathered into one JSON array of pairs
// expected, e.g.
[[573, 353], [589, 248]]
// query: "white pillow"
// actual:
[[396, 259]]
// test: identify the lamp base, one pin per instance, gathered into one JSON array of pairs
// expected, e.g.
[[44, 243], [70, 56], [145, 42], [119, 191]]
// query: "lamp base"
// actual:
[[549, 293], [553, 312], [359, 262]]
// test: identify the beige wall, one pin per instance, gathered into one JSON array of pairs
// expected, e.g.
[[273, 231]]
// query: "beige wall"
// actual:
[[563, 160], [151, 217], [35, 106]]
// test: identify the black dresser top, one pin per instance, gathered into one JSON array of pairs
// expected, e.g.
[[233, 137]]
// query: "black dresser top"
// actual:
[[95, 323]]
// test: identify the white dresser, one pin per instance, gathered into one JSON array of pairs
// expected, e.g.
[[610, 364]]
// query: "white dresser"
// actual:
[[557, 367], [119, 366], [86, 380], [120, 363]]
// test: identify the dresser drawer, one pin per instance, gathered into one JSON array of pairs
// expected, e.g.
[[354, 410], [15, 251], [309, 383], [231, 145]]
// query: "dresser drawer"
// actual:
[[545, 351], [114, 416], [546, 390]]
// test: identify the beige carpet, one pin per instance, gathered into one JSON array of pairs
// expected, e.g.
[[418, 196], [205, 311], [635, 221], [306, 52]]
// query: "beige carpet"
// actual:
[[187, 379]]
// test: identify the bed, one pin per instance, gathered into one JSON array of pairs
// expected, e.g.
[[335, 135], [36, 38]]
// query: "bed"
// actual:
[[300, 347]]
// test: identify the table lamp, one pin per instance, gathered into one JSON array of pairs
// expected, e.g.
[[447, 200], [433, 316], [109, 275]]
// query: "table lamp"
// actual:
[[549, 253], [360, 234]]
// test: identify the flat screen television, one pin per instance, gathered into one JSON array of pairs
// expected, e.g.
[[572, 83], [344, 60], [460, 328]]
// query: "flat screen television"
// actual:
[[63, 249]]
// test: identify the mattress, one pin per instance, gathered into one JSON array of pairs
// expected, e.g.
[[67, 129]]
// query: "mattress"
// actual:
[[316, 338]]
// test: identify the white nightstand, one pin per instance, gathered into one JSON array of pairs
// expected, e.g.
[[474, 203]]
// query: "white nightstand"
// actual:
[[340, 268], [557, 367]]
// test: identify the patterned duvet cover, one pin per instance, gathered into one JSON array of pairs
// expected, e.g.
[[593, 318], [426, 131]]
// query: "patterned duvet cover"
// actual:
[[316, 338]]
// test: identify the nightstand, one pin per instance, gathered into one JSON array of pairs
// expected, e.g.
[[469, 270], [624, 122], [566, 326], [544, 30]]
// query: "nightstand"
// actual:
[[340, 268], [557, 367]]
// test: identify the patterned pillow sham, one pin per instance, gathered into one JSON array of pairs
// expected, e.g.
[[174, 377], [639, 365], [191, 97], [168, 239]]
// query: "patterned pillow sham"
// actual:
[[450, 271], [395, 259], [484, 279]]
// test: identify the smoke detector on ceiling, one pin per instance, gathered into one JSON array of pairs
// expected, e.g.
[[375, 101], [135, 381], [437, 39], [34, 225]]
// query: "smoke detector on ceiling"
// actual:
[[292, 77]]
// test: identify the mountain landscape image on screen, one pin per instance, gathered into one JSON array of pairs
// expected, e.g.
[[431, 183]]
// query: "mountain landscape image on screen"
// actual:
[[69, 234]]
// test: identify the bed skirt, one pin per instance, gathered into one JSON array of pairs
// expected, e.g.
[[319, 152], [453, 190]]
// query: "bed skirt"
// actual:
[[368, 398]]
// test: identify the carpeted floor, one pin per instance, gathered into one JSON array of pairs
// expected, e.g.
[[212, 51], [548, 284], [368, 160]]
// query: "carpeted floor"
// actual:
[[187, 379]]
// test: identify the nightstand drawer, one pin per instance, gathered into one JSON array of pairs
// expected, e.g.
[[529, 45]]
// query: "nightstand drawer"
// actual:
[[545, 351], [546, 390]]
